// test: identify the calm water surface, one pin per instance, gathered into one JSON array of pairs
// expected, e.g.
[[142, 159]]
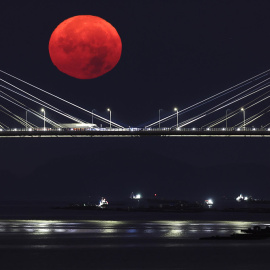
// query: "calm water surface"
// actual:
[[167, 231], [120, 244]]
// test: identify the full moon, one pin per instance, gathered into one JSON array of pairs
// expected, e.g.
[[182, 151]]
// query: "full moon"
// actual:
[[85, 47]]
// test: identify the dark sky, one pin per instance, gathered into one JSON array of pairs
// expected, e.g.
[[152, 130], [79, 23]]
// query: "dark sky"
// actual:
[[175, 53]]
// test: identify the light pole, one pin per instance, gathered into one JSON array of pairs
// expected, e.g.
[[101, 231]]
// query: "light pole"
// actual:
[[226, 117], [159, 117], [26, 120], [44, 116], [176, 110], [244, 115], [92, 116], [109, 110]]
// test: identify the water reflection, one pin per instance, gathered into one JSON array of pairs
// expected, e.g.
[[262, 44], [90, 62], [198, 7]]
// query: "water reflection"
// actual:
[[150, 231], [137, 229], [173, 233]]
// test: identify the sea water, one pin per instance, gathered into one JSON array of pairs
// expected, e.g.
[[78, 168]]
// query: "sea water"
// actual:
[[78, 240]]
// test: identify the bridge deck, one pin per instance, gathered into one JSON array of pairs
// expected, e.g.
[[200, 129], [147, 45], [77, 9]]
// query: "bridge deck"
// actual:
[[135, 133]]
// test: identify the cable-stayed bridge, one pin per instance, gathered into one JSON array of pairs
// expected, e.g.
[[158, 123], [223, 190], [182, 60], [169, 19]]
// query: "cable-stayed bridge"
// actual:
[[241, 110], [136, 132]]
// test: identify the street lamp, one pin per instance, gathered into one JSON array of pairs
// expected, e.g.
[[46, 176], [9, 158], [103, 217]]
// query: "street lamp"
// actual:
[[243, 110], [226, 117], [44, 116], [92, 116], [159, 117], [26, 120], [109, 110], [176, 110]]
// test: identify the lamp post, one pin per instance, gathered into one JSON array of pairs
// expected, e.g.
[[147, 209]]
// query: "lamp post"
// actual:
[[109, 110], [44, 116], [244, 115], [159, 117], [26, 120], [176, 110], [92, 116], [226, 117]]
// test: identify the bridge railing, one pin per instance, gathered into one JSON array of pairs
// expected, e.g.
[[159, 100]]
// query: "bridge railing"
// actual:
[[163, 129]]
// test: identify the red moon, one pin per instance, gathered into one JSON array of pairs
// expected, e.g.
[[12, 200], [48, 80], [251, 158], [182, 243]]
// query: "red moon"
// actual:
[[85, 47]]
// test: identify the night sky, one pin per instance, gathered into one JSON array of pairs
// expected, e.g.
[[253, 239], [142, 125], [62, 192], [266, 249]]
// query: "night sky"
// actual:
[[175, 53]]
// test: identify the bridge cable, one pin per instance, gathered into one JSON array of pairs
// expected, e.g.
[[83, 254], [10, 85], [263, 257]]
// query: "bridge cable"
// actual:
[[219, 107], [200, 103], [68, 102]]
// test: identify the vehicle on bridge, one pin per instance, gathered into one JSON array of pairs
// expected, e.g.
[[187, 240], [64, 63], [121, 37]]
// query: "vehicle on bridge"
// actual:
[[79, 126]]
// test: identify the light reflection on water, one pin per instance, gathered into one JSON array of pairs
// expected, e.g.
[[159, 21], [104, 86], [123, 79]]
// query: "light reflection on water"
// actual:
[[141, 229]]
